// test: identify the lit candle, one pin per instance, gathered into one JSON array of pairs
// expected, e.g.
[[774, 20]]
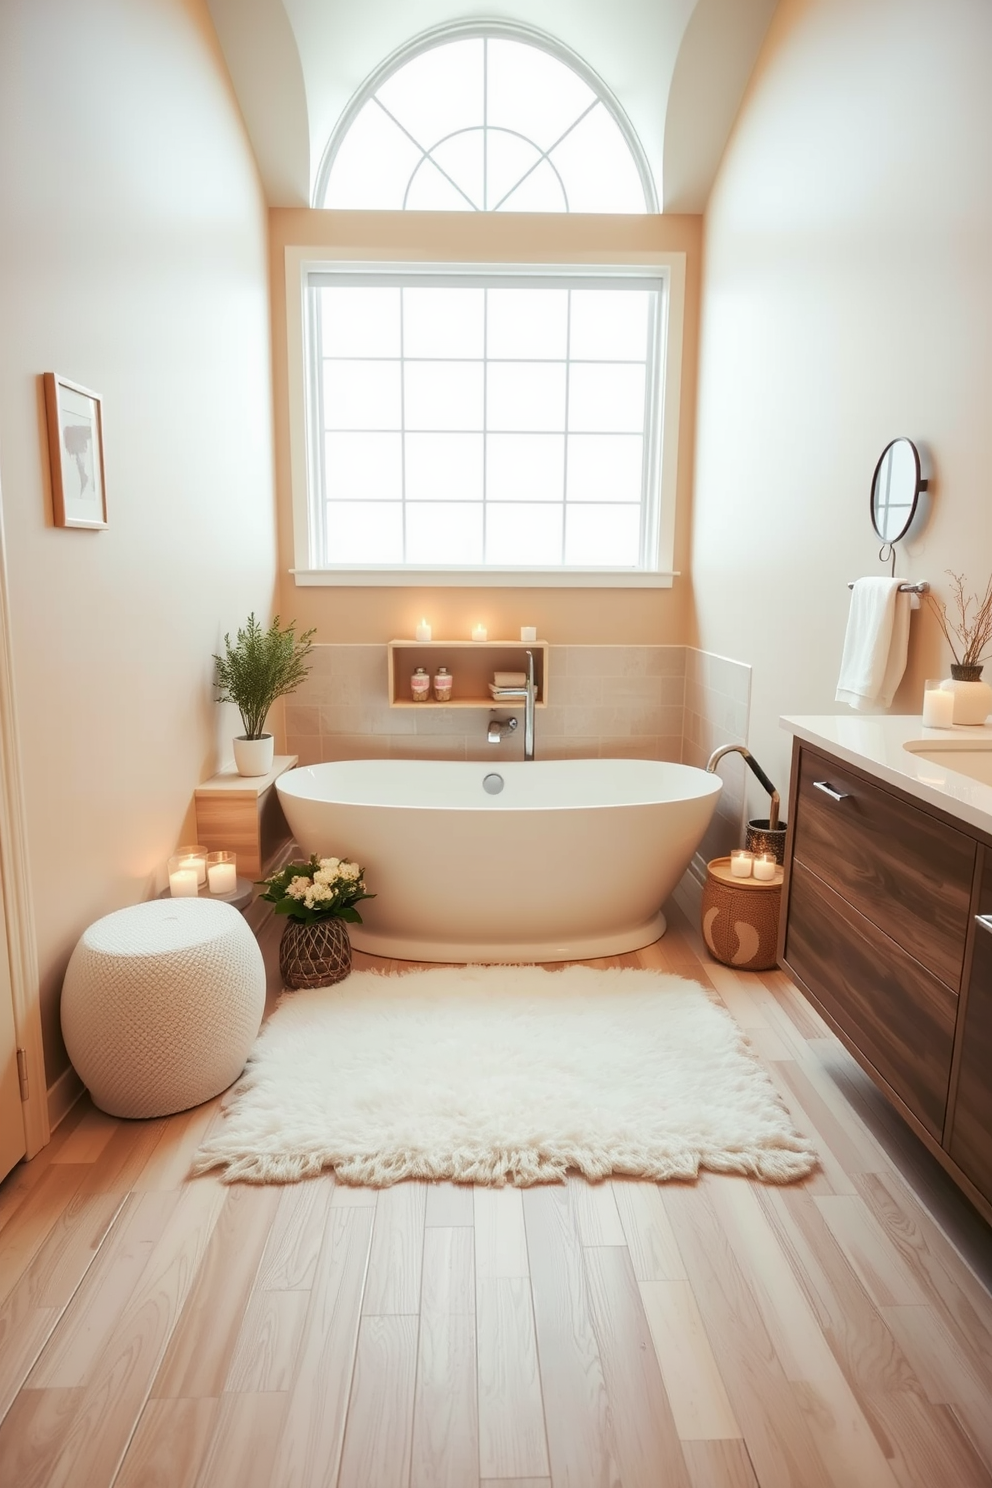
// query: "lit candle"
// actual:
[[197, 866], [182, 883], [222, 878], [938, 706], [479, 633], [765, 865], [528, 632], [193, 859], [740, 863], [423, 631]]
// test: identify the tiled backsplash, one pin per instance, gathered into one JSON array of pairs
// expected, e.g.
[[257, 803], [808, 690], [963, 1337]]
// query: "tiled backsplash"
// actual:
[[609, 701], [717, 705], [656, 702]]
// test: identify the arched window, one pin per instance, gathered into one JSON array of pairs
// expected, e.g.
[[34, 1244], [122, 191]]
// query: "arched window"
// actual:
[[485, 119]]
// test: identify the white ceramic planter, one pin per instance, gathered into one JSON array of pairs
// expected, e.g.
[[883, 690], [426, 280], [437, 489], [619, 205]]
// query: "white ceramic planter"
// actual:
[[972, 700], [254, 756]]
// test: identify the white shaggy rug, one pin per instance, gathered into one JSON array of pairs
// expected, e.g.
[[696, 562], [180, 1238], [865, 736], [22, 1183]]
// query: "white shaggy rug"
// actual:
[[503, 1074]]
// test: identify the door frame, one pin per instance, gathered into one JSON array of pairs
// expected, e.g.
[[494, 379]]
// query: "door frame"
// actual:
[[18, 908]]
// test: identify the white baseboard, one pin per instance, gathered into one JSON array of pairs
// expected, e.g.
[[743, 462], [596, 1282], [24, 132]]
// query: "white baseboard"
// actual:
[[63, 1095], [688, 892]]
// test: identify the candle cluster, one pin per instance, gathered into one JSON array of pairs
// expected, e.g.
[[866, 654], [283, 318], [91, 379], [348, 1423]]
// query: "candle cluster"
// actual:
[[480, 632], [744, 864], [194, 868]]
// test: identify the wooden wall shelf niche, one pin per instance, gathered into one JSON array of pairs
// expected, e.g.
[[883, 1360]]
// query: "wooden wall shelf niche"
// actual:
[[471, 664]]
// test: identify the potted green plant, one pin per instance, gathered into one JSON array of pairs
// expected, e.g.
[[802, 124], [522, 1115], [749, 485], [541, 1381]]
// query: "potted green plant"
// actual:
[[318, 897], [258, 667]]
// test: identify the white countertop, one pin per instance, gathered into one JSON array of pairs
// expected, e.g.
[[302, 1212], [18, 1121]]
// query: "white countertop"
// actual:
[[876, 744]]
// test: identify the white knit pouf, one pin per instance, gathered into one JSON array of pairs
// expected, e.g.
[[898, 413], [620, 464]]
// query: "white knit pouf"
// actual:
[[161, 1003]]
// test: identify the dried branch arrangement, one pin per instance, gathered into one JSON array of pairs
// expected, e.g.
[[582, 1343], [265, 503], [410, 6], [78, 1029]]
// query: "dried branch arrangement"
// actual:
[[971, 630]]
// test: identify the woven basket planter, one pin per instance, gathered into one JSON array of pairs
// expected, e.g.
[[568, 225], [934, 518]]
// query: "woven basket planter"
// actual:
[[314, 955], [740, 918]]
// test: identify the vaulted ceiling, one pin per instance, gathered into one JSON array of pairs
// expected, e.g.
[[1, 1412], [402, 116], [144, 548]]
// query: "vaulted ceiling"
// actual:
[[678, 67]]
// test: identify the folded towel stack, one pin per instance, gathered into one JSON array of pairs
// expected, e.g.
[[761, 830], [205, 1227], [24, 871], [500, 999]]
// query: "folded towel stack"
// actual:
[[509, 679]]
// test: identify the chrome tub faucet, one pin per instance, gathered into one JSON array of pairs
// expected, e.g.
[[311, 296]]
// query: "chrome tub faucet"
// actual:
[[528, 696]]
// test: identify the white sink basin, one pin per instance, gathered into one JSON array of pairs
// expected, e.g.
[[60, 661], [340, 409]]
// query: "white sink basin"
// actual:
[[965, 756]]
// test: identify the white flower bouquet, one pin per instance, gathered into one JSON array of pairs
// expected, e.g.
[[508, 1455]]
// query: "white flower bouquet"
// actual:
[[321, 889]]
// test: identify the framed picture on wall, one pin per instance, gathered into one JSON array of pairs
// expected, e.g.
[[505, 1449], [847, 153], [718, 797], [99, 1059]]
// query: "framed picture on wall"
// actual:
[[75, 442]]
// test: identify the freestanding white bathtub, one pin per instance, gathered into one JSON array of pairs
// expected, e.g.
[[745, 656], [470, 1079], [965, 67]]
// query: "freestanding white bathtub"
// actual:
[[552, 860]]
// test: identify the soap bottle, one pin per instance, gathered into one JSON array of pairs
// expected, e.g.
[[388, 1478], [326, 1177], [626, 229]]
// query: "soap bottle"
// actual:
[[420, 685], [442, 685]]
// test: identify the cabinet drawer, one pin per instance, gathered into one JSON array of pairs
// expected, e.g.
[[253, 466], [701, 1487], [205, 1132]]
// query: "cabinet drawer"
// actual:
[[907, 871], [892, 1010]]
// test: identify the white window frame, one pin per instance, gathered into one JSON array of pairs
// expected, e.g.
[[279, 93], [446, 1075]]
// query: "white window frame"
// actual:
[[668, 267], [451, 31]]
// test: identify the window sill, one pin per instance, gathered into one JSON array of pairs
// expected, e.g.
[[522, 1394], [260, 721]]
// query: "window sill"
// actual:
[[486, 578]]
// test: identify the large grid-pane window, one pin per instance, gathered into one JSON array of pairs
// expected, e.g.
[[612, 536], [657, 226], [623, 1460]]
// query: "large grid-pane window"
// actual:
[[484, 420]]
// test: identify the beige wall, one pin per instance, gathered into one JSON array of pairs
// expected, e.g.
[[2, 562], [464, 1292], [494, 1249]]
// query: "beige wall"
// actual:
[[617, 616], [132, 260], [846, 300]]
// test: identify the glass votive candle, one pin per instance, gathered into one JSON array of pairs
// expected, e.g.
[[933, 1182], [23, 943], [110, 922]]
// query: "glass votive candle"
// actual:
[[741, 862], [423, 631], [938, 706], [192, 858], [479, 633], [222, 872], [528, 632], [765, 864], [183, 880]]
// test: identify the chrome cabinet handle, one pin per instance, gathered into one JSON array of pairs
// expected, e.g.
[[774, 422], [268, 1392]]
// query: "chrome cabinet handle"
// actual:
[[984, 922], [828, 790]]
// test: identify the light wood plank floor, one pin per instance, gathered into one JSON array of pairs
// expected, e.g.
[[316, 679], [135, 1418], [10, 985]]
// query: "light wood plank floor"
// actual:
[[161, 1333]]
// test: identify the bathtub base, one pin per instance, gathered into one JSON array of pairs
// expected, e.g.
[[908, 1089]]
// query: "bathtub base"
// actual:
[[574, 948]]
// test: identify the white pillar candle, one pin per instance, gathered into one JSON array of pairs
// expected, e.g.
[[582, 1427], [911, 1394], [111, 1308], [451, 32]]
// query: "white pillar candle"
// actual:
[[528, 632], [423, 631], [196, 865], [765, 866], [938, 707], [222, 878], [183, 883], [740, 863], [479, 633]]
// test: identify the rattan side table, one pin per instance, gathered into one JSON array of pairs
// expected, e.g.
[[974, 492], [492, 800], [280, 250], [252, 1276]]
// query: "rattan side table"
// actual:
[[740, 917]]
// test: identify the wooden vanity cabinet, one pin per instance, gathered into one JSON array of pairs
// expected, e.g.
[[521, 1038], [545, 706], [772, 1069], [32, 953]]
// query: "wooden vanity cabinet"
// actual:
[[970, 1143], [879, 930]]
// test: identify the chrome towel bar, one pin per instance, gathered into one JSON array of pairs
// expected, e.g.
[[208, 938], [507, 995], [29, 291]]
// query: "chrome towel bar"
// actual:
[[920, 588]]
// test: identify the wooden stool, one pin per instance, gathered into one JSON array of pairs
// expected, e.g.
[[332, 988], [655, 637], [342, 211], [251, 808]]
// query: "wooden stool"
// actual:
[[740, 917]]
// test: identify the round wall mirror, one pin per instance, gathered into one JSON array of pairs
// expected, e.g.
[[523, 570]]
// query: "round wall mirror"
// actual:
[[895, 489]]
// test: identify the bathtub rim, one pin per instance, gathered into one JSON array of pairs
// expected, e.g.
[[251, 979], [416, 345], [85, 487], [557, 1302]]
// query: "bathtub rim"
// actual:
[[709, 781]]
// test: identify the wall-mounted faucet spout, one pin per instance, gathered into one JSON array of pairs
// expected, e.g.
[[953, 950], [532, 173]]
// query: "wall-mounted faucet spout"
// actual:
[[756, 770], [499, 728], [528, 696]]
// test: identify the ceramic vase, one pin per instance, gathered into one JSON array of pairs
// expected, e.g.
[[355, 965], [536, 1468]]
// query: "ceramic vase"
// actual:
[[254, 756], [972, 696], [315, 955]]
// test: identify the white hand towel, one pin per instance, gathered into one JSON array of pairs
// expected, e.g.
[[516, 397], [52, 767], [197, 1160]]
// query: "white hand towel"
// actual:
[[875, 644], [510, 679]]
